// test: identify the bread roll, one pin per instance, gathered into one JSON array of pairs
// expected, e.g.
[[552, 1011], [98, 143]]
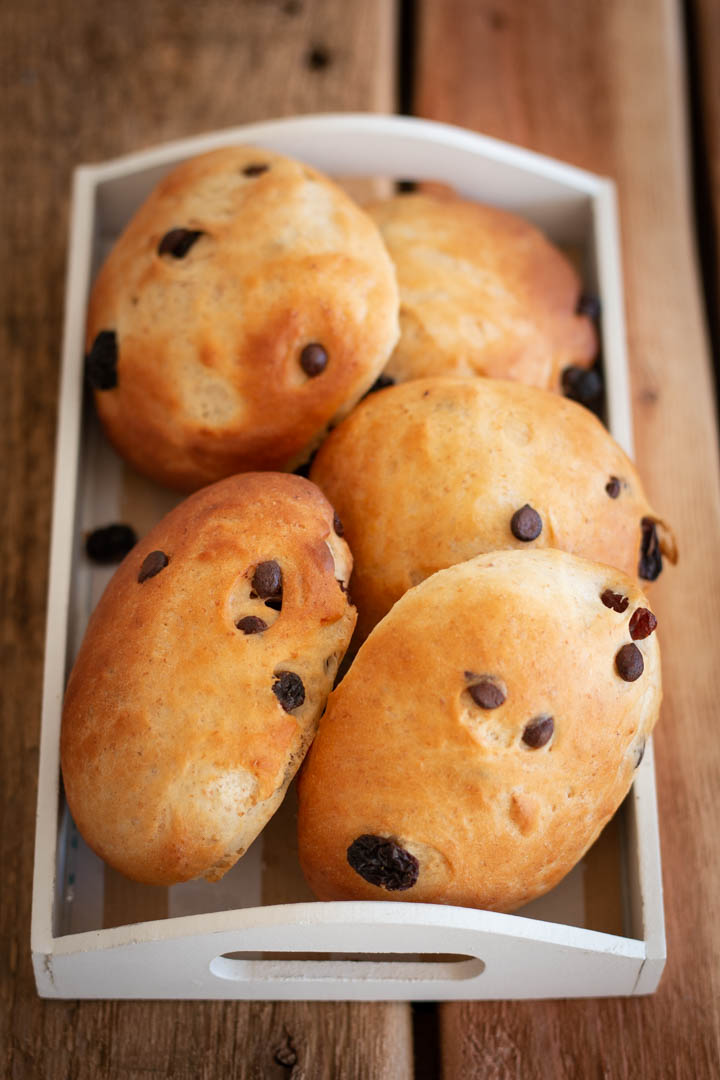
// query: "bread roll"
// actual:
[[482, 292], [248, 304], [203, 672], [486, 731], [434, 471]]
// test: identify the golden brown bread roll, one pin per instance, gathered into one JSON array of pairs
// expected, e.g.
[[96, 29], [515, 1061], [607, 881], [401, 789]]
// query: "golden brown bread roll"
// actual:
[[482, 292], [202, 675], [248, 303], [485, 733], [434, 471]]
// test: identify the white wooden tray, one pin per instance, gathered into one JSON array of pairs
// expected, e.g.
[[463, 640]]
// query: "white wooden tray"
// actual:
[[258, 933]]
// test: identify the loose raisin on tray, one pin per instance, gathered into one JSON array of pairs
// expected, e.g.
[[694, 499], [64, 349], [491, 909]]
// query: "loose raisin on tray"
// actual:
[[583, 386], [251, 624], [289, 690], [487, 692], [538, 732], [178, 242], [313, 360], [110, 544], [650, 565], [629, 663], [382, 862], [642, 624], [101, 361], [613, 487], [614, 600], [267, 580], [152, 565], [526, 524], [589, 305]]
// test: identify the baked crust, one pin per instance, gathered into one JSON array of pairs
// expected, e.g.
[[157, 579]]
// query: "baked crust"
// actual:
[[405, 754], [175, 748], [482, 292], [209, 380]]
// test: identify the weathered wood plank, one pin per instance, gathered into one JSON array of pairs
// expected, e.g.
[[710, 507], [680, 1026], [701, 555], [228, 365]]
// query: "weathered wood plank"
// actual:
[[602, 86], [84, 82]]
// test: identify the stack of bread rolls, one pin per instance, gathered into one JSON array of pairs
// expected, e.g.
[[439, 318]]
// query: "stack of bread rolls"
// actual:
[[505, 673]]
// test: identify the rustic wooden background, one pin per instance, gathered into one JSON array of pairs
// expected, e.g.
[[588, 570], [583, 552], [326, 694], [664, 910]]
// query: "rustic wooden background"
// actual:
[[606, 86]]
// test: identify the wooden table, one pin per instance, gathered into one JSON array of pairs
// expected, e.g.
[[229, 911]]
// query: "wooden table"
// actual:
[[602, 85]]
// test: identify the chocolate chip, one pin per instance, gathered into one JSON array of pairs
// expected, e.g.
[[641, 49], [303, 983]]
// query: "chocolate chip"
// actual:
[[255, 168], [289, 690], [488, 692], [313, 360], [251, 624], [629, 663], [613, 487], [275, 604], [152, 565], [338, 525], [101, 361], [589, 305], [538, 732], [110, 544], [642, 624], [639, 754], [584, 386], [381, 383], [384, 863], [650, 564], [178, 242], [267, 580], [614, 600], [526, 523]]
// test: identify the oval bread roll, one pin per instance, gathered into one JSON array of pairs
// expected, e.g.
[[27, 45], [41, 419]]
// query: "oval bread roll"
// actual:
[[487, 730], [432, 472], [203, 672], [482, 292], [248, 304]]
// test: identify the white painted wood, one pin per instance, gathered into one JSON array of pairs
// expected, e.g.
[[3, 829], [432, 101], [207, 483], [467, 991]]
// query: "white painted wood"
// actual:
[[507, 956]]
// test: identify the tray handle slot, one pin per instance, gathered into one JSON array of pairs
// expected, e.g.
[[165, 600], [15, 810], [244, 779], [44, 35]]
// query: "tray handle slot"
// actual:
[[405, 967]]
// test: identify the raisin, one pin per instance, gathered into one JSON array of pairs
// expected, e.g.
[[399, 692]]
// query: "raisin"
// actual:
[[613, 487], [110, 544], [642, 624], [338, 525], [178, 242], [650, 564], [487, 692], [251, 624], [589, 305], [101, 361], [614, 600], [313, 360], [255, 168], [384, 863], [526, 524], [639, 754], [538, 732], [152, 565], [267, 580], [289, 690], [583, 386], [629, 663]]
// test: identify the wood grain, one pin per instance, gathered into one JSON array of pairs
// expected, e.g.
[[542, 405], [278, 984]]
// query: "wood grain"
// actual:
[[602, 86], [83, 82]]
